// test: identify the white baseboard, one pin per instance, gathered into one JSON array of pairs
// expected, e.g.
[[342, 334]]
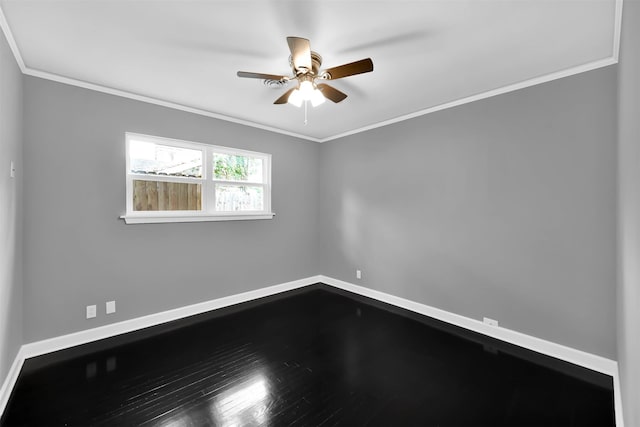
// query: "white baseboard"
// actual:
[[577, 357], [77, 338], [559, 351], [10, 380], [617, 398], [50, 345]]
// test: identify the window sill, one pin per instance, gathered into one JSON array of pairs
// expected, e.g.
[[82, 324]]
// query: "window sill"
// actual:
[[157, 219]]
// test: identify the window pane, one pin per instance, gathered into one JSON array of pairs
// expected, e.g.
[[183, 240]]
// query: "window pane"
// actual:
[[231, 198], [231, 167], [166, 196], [155, 159]]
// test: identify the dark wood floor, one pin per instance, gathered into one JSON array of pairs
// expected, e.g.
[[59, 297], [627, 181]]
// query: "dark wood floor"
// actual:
[[317, 357]]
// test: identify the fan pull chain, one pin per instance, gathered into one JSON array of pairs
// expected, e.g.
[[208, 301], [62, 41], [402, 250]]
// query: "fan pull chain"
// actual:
[[305, 113]]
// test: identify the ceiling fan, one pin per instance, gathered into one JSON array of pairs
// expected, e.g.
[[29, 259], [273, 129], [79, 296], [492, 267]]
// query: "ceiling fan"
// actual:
[[305, 65]]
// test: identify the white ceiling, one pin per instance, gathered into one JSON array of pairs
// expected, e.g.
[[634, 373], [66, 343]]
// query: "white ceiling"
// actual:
[[427, 55]]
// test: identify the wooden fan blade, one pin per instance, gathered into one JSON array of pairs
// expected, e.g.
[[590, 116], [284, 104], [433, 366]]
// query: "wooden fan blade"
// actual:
[[353, 68], [250, 75], [331, 93], [284, 98], [300, 53]]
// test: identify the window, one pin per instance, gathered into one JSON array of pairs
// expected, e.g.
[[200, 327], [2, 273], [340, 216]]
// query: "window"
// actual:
[[180, 181]]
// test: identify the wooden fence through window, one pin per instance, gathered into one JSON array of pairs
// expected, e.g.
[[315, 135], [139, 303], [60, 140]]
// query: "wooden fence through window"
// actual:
[[166, 196]]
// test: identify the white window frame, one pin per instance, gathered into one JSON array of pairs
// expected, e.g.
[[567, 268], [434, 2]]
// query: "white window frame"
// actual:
[[207, 182]]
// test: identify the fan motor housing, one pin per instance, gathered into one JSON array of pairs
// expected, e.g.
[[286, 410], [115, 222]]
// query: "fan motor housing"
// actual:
[[316, 62]]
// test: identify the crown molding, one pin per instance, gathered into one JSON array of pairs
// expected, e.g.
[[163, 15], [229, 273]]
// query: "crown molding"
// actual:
[[617, 30], [483, 95], [11, 40], [156, 101], [612, 59]]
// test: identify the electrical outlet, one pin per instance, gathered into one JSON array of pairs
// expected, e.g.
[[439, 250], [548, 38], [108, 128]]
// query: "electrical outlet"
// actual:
[[489, 349], [111, 307], [91, 370], [111, 364], [358, 274], [490, 322], [91, 311]]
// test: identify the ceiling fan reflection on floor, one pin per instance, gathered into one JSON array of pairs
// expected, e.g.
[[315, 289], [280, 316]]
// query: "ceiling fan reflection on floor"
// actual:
[[305, 65]]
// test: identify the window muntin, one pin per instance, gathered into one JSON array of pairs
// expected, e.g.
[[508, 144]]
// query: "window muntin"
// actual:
[[172, 178]]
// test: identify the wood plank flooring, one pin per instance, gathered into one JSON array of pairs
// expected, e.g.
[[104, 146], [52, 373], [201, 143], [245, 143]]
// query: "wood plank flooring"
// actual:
[[311, 357]]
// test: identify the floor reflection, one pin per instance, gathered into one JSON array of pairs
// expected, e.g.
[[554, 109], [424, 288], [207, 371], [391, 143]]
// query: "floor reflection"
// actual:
[[243, 404], [315, 358]]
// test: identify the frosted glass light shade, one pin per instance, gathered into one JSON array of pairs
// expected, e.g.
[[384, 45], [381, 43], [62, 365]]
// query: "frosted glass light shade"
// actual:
[[306, 90], [317, 98], [295, 98]]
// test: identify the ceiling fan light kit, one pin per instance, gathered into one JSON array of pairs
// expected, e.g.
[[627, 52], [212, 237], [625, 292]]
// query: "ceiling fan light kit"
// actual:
[[305, 65], [306, 91]]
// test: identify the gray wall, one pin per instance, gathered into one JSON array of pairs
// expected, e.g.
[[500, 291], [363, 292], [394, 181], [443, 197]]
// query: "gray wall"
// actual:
[[504, 208], [10, 208], [629, 213], [77, 251]]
